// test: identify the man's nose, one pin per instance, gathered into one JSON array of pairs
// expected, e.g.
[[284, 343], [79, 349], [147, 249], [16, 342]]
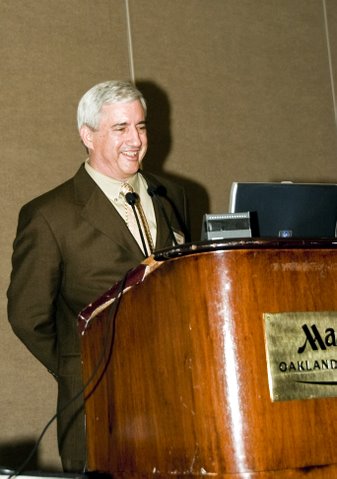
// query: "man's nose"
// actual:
[[134, 136]]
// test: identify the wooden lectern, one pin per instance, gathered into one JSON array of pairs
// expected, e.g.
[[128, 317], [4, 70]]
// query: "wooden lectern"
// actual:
[[175, 357]]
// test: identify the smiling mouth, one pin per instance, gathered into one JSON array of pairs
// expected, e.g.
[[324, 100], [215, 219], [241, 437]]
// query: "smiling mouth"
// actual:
[[131, 154]]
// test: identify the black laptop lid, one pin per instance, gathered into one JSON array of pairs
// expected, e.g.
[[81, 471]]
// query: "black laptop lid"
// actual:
[[300, 210]]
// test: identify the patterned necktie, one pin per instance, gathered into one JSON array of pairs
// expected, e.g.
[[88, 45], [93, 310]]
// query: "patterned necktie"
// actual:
[[130, 218]]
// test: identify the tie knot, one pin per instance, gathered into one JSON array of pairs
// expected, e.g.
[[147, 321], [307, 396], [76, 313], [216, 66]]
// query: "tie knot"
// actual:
[[126, 188]]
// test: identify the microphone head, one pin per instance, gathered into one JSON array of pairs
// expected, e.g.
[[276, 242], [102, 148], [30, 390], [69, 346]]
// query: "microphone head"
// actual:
[[131, 198], [156, 190]]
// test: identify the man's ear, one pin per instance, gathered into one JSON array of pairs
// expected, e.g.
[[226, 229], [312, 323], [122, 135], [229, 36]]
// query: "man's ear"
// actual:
[[86, 135]]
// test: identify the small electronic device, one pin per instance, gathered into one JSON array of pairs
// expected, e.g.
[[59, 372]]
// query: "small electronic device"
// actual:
[[227, 225]]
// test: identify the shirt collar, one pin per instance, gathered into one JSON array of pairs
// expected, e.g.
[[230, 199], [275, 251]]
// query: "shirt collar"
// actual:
[[110, 186]]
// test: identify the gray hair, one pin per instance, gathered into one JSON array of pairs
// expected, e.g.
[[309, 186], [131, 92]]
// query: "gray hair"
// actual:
[[114, 91]]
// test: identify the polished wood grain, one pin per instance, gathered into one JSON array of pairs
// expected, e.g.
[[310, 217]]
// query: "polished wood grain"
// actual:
[[183, 387]]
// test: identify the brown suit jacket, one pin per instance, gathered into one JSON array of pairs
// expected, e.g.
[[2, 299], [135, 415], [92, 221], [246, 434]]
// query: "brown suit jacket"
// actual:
[[71, 247]]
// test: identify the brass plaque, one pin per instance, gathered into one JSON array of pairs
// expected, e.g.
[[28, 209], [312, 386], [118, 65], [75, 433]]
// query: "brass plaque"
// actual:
[[301, 351]]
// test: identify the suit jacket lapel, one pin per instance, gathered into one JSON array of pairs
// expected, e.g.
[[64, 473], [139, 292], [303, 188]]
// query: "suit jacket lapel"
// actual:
[[163, 234], [163, 239], [101, 214]]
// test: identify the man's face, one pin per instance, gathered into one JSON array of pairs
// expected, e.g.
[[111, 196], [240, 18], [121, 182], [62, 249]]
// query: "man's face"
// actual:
[[117, 148]]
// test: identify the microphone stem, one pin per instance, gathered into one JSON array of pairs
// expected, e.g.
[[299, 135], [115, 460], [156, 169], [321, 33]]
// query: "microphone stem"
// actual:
[[173, 238], [140, 229]]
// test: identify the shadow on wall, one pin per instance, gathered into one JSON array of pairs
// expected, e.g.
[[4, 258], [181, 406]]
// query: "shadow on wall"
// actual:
[[15, 453], [160, 141]]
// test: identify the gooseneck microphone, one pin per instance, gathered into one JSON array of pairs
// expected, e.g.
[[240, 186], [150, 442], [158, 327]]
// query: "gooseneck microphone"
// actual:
[[131, 199], [156, 192]]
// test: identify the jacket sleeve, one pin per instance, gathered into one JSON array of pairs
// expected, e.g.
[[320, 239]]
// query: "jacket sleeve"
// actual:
[[34, 287]]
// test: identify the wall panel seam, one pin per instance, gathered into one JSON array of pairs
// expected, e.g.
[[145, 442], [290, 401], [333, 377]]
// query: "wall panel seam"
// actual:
[[129, 41], [330, 61]]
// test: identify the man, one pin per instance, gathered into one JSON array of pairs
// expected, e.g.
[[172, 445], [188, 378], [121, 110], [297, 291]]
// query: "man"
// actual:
[[73, 243]]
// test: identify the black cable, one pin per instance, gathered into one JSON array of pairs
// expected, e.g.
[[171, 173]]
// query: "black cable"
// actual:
[[111, 319]]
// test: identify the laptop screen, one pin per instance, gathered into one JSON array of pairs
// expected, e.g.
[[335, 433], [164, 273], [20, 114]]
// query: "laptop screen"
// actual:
[[300, 210]]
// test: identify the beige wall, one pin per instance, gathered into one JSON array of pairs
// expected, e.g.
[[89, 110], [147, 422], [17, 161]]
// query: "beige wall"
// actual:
[[237, 89]]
